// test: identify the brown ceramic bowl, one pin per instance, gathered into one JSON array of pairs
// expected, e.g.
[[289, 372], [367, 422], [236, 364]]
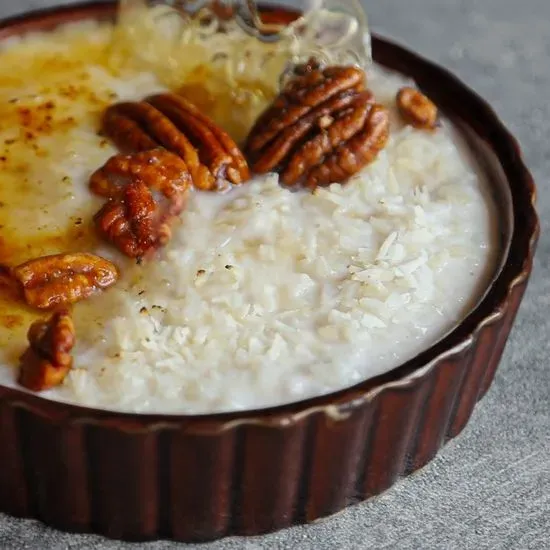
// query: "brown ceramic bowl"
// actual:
[[203, 477]]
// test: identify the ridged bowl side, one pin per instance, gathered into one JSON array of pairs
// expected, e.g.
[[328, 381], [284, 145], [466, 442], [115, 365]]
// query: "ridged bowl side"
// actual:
[[200, 478], [141, 482]]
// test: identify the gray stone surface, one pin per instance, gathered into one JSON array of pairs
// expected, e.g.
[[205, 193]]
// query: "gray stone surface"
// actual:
[[490, 488]]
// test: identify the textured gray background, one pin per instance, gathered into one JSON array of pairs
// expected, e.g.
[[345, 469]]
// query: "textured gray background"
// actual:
[[490, 488]]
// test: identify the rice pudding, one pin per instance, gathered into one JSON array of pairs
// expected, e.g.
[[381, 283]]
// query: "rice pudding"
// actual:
[[264, 295]]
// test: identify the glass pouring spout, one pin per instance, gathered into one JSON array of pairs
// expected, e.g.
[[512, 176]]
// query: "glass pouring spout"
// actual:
[[231, 57], [332, 31]]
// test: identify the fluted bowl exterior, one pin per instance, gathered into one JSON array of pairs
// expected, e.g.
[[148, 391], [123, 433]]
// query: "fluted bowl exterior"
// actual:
[[204, 477]]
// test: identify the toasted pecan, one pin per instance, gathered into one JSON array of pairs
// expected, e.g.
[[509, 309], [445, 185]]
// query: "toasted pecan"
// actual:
[[156, 168], [136, 221], [357, 152], [301, 95], [63, 279], [323, 127], [340, 128], [48, 358], [150, 129], [277, 150], [216, 148], [417, 109], [172, 122]]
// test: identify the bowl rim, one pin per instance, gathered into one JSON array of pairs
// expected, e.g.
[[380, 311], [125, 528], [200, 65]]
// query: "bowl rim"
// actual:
[[513, 271]]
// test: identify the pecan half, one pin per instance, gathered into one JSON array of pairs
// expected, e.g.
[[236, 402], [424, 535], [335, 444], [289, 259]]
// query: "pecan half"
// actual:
[[279, 148], [359, 151], [48, 359], [136, 221], [335, 129], [301, 95], [174, 123], [63, 279], [157, 168], [322, 128], [416, 109], [138, 126], [216, 148]]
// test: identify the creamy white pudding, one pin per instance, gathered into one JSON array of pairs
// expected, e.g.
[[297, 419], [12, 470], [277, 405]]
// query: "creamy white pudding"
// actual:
[[264, 295]]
